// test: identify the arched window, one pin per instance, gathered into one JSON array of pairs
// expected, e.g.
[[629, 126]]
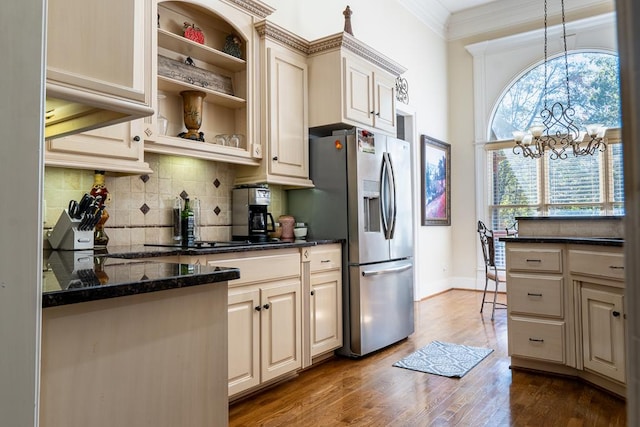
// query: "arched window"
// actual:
[[593, 88], [588, 185]]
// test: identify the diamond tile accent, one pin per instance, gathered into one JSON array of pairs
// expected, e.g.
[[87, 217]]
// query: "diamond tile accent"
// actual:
[[145, 209], [217, 210], [216, 183], [184, 194], [144, 178]]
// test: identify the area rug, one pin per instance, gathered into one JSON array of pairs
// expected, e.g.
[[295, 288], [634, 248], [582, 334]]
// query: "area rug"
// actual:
[[446, 359]]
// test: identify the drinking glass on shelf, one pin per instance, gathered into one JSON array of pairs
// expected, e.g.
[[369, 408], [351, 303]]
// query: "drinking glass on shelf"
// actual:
[[236, 140], [221, 139], [163, 123]]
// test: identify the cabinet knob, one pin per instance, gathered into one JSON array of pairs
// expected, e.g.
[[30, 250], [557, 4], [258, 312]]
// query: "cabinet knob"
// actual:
[[136, 138], [266, 306], [616, 314], [258, 308], [378, 114], [313, 292], [275, 158]]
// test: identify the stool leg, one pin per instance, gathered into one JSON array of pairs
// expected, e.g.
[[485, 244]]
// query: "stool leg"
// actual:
[[495, 298], [484, 294]]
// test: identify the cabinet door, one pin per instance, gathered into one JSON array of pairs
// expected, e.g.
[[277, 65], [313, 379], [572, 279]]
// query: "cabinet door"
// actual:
[[384, 102], [326, 312], [281, 329], [603, 332], [117, 148], [358, 92], [288, 122], [244, 340]]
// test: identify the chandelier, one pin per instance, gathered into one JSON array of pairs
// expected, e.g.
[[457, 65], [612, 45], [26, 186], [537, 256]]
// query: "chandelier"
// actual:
[[557, 132]]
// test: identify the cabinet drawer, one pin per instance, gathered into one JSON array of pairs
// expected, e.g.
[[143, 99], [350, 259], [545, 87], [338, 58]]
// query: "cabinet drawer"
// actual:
[[260, 268], [322, 258], [536, 339], [542, 260], [535, 294], [599, 264]]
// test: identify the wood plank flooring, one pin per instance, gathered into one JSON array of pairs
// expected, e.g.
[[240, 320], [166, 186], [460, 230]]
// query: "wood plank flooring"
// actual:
[[371, 392]]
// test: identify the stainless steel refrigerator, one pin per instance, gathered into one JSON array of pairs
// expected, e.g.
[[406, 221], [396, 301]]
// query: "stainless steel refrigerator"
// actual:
[[362, 194]]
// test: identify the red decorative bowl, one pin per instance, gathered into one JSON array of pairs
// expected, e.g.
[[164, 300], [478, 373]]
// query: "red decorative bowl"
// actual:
[[193, 33]]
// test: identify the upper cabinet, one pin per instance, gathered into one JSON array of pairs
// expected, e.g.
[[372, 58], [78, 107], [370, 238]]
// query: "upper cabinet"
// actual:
[[204, 72], [352, 84], [98, 63], [284, 130]]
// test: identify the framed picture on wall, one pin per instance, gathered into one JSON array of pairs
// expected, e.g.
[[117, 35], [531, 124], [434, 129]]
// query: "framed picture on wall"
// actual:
[[436, 181]]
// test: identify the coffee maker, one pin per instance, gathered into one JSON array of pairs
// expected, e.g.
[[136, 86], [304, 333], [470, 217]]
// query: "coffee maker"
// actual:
[[249, 215]]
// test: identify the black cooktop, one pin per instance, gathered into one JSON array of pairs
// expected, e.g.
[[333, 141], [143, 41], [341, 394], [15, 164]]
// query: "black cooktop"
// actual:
[[213, 244]]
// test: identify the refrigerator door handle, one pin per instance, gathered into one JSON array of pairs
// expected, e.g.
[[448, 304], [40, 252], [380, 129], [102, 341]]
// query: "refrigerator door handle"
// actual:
[[388, 193], [394, 213], [366, 273]]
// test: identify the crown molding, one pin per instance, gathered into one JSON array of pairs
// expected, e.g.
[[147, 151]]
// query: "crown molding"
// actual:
[[430, 12], [269, 30], [348, 42], [503, 14], [254, 7]]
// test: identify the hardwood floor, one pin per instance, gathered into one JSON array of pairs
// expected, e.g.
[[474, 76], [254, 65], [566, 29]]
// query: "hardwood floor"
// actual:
[[371, 392]]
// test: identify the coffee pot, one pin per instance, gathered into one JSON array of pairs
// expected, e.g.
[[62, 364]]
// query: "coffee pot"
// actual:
[[250, 218]]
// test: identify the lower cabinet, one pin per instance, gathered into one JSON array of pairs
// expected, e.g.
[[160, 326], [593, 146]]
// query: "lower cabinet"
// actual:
[[566, 311], [325, 311], [602, 331], [284, 312], [322, 301], [264, 329]]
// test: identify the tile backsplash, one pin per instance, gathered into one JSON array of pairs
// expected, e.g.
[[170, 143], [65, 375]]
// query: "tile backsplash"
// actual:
[[141, 206]]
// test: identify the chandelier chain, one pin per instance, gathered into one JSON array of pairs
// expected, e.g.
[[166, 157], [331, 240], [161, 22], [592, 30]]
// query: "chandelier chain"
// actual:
[[566, 60]]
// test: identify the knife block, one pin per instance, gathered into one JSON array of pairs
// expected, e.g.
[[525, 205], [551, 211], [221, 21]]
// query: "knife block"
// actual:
[[66, 236]]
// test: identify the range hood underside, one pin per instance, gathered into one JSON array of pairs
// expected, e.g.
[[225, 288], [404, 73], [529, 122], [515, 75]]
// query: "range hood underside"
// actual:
[[71, 110]]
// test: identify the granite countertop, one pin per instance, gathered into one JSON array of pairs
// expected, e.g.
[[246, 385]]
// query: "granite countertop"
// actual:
[[78, 276], [71, 277], [597, 241]]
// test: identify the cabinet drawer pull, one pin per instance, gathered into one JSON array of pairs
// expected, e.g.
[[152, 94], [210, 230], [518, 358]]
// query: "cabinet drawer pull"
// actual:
[[324, 261], [534, 260], [534, 295], [616, 267], [536, 340]]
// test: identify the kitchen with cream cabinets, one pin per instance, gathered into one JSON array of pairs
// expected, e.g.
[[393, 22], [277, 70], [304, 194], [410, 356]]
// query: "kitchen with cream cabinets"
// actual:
[[29, 184]]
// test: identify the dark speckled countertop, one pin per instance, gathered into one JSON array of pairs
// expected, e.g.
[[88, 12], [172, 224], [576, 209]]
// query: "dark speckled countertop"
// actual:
[[71, 277], [596, 241]]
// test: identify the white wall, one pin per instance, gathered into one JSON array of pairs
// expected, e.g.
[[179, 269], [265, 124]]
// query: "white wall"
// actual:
[[389, 28]]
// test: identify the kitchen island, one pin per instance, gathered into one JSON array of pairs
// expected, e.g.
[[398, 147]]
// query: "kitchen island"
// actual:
[[133, 343], [565, 298]]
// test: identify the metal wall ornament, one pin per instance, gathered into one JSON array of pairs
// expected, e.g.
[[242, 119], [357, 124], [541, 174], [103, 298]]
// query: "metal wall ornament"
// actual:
[[402, 90], [557, 132]]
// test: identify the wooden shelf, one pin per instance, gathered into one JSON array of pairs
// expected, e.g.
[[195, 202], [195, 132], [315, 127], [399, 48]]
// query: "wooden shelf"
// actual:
[[198, 51], [169, 85], [202, 150]]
